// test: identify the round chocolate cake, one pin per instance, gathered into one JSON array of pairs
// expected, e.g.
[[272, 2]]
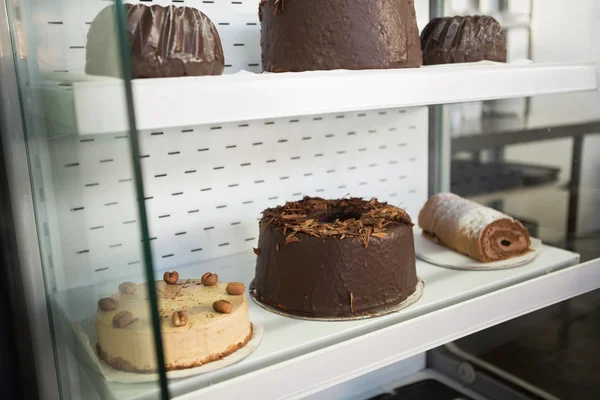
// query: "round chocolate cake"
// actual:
[[463, 39], [335, 258], [165, 41], [308, 35]]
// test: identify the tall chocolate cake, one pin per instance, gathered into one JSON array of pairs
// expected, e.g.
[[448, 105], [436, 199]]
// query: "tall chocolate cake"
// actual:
[[306, 35], [335, 258], [165, 42], [463, 39]]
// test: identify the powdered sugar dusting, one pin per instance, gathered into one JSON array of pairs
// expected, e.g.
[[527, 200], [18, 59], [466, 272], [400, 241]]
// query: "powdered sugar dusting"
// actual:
[[467, 216]]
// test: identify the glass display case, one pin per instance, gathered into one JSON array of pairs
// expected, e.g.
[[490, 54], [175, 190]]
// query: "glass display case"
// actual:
[[118, 186]]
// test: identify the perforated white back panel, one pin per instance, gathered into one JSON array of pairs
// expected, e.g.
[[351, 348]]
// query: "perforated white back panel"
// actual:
[[207, 185]]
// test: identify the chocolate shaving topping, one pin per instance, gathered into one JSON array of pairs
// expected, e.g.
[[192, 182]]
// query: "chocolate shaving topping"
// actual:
[[345, 218], [277, 5], [276, 68], [256, 251]]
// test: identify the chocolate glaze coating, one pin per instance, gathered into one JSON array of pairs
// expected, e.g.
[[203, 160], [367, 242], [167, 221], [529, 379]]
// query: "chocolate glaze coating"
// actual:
[[307, 35], [331, 276], [463, 39], [165, 42]]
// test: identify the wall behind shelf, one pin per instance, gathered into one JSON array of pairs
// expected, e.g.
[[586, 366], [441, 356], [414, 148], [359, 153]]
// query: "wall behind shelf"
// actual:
[[205, 186]]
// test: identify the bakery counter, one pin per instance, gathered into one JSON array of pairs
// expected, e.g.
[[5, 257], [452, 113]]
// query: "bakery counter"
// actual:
[[89, 105], [322, 354]]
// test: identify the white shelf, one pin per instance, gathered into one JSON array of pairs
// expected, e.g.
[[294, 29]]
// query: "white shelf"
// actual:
[[98, 106], [454, 304]]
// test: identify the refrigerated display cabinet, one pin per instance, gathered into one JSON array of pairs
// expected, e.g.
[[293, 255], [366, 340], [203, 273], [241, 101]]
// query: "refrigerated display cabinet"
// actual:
[[112, 179]]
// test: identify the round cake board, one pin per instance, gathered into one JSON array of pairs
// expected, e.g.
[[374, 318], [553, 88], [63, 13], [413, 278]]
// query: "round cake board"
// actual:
[[85, 331], [372, 314], [443, 256]]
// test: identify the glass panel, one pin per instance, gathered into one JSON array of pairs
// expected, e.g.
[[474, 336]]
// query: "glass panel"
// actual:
[[536, 159], [207, 184], [538, 164], [169, 197], [98, 286]]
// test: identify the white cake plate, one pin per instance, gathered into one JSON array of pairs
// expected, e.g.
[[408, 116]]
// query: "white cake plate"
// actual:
[[443, 256], [371, 314], [85, 331]]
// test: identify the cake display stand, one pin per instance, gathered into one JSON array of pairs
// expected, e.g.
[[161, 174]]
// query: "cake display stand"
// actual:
[[443, 256], [85, 332], [413, 298]]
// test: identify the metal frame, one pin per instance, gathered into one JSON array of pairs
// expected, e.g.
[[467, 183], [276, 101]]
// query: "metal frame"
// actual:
[[494, 138], [436, 147], [27, 250], [575, 182]]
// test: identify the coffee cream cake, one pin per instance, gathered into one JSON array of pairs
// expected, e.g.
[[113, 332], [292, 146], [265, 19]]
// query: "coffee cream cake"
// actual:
[[202, 320]]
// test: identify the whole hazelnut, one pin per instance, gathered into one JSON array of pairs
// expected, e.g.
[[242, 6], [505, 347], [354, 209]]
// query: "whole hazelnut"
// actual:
[[179, 318], [222, 306], [171, 277], [122, 319], [235, 288], [127, 287], [108, 304], [209, 279]]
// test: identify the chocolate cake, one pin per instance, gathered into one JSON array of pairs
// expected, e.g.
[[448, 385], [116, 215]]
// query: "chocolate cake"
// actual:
[[307, 35], [463, 39], [334, 258], [165, 42]]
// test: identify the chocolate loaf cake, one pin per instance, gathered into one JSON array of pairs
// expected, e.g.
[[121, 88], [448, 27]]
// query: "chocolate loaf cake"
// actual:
[[479, 232], [334, 258], [463, 39], [307, 35], [165, 42]]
